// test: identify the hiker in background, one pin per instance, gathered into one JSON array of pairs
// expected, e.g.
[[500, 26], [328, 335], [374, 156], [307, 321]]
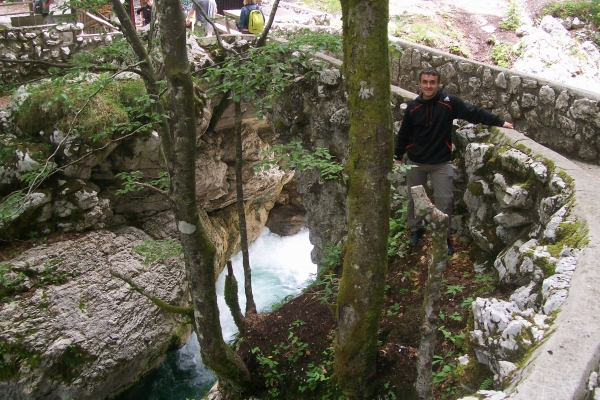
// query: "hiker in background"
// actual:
[[250, 21], [146, 11], [202, 26], [426, 138], [43, 7]]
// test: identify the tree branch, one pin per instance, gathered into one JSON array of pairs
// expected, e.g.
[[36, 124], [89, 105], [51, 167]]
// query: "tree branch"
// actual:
[[163, 305], [263, 37], [73, 66]]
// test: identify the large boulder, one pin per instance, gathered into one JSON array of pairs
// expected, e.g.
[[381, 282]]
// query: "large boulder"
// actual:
[[71, 330]]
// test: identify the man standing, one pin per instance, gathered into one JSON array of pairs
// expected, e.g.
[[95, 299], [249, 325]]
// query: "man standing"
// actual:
[[426, 137], [146, 11], [202, 26]]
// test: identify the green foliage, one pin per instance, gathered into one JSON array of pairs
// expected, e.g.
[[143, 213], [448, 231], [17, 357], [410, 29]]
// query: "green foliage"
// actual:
[[330, 6], [329, 285], [267, 70], [294, 348], [332, 258], [279, 303], [490, 280], [314, 375], [446, 369], [68, 362], [155, 250], [584, 10], [119, 52], [486, 278], [8, 85], [305, 38], [486, 384], [50, 276], [512, 20], [297, 323], [467, 302], [454, 289], [503, 54], [162, 182], [131, 181], [271, 377], [458, 340], [38, 174], [98, 109], [455, 316], [318, 376], [398, 227], [13, 356], [10, 207], [429, 33], [8, 282], [394, 310], [293, 156], [570, 234]]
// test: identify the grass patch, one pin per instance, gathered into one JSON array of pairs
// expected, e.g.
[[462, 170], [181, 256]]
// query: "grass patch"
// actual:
[[330, 6], [584, 10], [503, 54], [429, 33], [570, 234], [105, 105]]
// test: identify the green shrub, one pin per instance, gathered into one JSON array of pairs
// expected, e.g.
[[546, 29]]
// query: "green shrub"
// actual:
[[584, 10], [512, 20]]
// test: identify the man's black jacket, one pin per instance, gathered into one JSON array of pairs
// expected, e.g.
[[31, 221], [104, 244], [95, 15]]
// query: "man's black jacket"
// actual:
[[426, 131]]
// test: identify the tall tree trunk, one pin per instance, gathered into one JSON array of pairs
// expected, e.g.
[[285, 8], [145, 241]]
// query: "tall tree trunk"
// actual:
[[438, 222], [250, 305], [367, 77], [178, 137]]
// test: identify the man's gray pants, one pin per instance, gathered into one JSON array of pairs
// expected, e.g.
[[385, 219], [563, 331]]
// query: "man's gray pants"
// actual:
[[442, 179]]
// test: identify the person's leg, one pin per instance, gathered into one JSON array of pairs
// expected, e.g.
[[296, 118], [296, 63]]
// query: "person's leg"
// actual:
[[442, 179], [415, 176], [200, 28]]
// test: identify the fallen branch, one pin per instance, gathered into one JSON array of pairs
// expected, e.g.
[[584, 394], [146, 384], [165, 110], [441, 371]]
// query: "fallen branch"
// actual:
[[438, 222], [163, 305]]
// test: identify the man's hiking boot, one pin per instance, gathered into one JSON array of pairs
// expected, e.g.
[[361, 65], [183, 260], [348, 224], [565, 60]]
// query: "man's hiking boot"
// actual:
[[415, 236], [450, 248]]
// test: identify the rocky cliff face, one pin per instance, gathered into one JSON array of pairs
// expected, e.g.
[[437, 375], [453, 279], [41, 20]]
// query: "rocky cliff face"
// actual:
[[68, 328]]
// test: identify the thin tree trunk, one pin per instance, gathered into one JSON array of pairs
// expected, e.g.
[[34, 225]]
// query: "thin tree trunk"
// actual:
[[179, 144], [250, 305], [438, 222], [232, 299], [367, 78]]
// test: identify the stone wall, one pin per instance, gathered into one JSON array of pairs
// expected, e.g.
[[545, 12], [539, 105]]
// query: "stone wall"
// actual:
[[49, 43], [560, 117]]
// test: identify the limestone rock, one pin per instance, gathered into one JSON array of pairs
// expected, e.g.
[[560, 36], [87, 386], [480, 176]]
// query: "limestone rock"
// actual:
[[511, 196], [475, 158], [81, 316], [512, 219], [515, 264]]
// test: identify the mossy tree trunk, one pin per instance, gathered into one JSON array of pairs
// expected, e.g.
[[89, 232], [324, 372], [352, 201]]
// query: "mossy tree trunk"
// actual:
[[367, 78], [178, 136], [438, 222], [250, 305]]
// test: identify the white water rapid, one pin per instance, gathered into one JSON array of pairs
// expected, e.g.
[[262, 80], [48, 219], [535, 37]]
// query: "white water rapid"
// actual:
[[281, 266]]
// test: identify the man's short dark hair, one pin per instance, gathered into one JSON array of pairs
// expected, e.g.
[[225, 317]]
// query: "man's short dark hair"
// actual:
[[429, 71]]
